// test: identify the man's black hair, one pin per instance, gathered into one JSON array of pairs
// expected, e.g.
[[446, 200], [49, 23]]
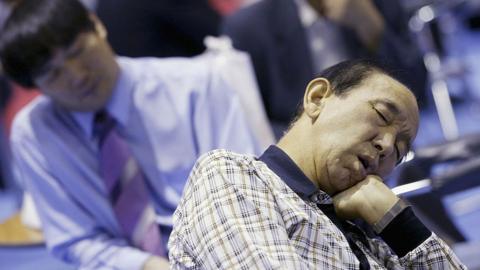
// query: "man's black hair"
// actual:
[[346, 75], [5, 92], [34, 31]]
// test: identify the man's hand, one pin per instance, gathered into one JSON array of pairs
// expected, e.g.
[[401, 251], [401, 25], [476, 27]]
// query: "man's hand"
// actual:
[[359, 15], [156, 263], [369, 200]]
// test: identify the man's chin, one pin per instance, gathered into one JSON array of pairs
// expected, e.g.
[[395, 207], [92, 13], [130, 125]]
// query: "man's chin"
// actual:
[[80, 109], [342, 185], [84, 107]]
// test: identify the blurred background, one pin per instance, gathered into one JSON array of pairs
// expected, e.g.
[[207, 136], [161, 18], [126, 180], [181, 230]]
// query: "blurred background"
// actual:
[[435, 47]]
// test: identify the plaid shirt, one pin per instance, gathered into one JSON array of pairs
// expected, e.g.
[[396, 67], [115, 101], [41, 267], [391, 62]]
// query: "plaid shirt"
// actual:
[[236, 213]]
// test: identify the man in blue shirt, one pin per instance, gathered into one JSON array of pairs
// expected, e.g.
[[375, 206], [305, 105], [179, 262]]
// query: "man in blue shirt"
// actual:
[[166, 111]]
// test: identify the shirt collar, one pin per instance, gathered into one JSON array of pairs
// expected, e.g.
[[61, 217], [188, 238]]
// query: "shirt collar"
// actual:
[[283, 166], [118, 106]]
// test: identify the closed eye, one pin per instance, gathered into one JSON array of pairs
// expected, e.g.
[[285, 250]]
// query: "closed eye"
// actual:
[[76, 52], [397, 151], [53, 75], [381, 115]]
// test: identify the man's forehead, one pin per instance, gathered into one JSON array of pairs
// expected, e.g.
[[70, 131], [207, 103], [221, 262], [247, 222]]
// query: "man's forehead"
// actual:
[[396, 97], [390, 88], [382, 80]]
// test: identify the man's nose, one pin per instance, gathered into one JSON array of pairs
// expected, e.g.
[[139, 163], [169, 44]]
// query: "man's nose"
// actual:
[[384, 143]]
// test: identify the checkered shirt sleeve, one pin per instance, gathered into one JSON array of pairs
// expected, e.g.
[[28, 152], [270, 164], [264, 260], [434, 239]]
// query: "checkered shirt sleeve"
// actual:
[[228, 219]]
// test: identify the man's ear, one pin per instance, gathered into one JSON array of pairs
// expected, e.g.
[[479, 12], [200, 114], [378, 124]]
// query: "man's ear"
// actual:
[[315, 94], [99, 27]]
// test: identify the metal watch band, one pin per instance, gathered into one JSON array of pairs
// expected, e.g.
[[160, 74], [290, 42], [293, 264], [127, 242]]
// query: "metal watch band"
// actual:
[[396, 209]]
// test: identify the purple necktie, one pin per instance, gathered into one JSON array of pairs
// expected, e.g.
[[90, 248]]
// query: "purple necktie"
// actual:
[[127, 188]]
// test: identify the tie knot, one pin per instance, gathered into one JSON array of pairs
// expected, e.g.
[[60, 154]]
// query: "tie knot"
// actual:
[[103, 124]]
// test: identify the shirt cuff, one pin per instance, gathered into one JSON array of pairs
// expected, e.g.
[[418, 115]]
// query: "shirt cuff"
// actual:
[[405, 232]]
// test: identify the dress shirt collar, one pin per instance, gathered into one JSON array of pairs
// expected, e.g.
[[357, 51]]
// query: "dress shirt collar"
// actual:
[[283, 166], [118, 106]]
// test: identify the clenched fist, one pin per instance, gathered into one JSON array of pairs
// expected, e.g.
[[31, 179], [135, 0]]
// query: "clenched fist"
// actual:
[[369, 200]]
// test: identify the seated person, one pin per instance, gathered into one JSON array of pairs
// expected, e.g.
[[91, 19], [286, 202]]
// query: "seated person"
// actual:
[[291, 41], [106, 150], [292, 208]]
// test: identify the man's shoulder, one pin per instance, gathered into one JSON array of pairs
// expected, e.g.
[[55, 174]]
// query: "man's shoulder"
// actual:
[[169, 68], [221, 158], [234, 169], [225, 174], [152, 75], [29, 118], [226, 164]]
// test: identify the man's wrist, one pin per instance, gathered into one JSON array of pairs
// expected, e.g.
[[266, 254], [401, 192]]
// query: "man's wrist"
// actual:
[[405, 232]]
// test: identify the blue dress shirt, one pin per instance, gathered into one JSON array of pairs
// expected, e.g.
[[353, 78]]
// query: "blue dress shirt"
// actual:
[[170, 111]]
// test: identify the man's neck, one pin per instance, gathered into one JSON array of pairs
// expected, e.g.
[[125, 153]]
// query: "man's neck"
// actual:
[[295, 144]]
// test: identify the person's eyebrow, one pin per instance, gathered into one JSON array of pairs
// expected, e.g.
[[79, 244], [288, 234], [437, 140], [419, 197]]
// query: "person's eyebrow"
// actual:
[[389, 104]]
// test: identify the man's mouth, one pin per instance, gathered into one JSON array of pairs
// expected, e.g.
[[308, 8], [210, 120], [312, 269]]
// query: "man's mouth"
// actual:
[[369, 162], [364, 162], [89, 88]]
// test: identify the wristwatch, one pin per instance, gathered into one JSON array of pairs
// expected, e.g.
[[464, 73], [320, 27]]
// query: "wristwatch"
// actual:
[[396, 209]]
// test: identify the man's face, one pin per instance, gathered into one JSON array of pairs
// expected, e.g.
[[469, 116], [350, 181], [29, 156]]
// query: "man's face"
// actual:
[[366, 131], [82, 76]]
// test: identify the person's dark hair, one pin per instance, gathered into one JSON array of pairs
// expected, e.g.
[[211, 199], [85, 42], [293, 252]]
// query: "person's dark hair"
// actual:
[[34, 30], [345, 76], [5, 92]]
